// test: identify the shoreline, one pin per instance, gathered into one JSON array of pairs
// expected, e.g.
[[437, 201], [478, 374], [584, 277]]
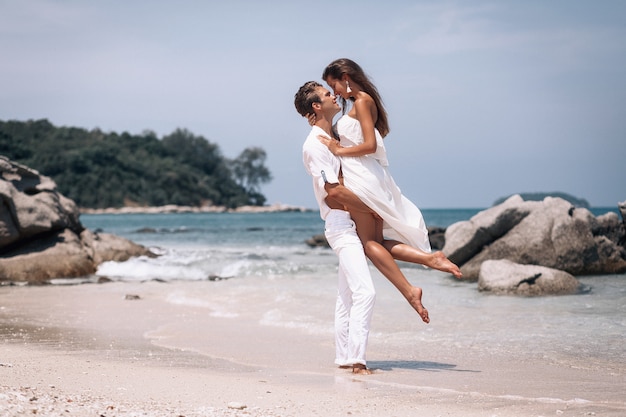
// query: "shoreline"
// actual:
[[273, 208], [90, 349], [172, 208]]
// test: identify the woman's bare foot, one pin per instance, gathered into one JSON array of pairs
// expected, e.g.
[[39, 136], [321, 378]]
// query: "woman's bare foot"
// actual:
[[441, 262], [416, 303], [360, 369]]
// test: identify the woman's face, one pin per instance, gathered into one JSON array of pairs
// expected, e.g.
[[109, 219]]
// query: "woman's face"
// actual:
[[338, 86]]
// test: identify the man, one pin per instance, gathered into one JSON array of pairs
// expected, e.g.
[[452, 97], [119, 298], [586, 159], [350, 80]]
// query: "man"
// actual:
[[356, 294], [336, 203]]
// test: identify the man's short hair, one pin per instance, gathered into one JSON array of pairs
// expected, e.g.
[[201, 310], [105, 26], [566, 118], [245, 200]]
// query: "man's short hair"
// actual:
[[306, 96]]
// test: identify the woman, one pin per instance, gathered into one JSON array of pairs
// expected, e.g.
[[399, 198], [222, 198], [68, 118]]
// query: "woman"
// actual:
[[365, 170]]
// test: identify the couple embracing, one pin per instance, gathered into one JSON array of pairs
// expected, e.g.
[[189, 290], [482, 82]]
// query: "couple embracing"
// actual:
[[364, 211]]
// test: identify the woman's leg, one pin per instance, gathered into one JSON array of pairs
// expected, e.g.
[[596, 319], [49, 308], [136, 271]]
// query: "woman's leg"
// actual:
[[435, 260], [369, 230]]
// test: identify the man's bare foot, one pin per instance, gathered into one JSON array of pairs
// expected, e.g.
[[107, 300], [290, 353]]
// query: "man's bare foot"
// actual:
[[441, 262], [416, 303], [360, 369]]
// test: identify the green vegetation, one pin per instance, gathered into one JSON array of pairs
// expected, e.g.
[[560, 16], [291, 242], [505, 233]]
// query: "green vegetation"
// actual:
[[577, 202], [99, 170]]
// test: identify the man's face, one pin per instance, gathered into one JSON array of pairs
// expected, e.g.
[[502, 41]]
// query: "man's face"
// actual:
[[329, 102], [338, 86]]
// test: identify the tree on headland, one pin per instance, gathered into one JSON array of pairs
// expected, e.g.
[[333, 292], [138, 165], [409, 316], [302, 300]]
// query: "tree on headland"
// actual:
[[98, 170], [250, 171]]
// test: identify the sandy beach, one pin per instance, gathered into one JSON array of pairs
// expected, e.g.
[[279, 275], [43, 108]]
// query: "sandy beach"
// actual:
[[130, 349]]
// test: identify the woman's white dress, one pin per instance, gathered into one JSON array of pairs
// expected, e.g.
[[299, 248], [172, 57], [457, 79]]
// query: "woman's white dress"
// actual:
[[369, 178]]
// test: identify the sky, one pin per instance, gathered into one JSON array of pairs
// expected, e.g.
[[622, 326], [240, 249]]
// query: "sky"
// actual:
[[485, 98]]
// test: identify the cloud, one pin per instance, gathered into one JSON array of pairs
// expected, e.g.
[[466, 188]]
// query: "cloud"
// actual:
[[489, 28], [36, 17]]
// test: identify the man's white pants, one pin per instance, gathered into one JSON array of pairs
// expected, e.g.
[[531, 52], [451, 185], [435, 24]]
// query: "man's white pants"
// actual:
[[356, 294]]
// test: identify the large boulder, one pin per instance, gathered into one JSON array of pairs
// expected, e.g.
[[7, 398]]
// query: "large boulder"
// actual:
[[506, 277], [464, 240], [65, 254], [550, 233], [30, 204], [41, 236]]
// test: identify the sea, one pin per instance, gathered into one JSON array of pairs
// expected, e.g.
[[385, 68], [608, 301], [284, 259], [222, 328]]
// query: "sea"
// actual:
[[198, 246], [249, 257]]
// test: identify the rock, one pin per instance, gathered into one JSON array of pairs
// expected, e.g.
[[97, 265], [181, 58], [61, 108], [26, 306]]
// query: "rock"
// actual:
[[274, 208], [236, 405], [53, 255], [132, 297], [610, 226], [622, 210], [65, 254], [506, 277], [437, 237], [214, 277], [103, 247], [463, 240], [41, 236], [30, 204], [551, 233], [318, 241]]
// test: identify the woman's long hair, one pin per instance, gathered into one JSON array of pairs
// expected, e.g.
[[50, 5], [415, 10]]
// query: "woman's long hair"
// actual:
[[339, 67]]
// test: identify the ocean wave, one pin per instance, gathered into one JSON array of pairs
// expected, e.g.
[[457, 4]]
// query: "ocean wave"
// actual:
[[305, 323], [215, 264], [180, 298]]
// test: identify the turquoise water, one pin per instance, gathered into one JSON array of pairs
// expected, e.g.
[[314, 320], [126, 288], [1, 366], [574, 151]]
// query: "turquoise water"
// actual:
[[282, 228], [264, 255], [231, 229], [201, 245], [239, 229]]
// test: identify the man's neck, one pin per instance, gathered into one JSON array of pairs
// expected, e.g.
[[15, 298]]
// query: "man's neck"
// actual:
[[326, 125]]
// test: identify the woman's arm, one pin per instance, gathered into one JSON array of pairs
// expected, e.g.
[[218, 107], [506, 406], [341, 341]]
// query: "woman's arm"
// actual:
[[366, 114]]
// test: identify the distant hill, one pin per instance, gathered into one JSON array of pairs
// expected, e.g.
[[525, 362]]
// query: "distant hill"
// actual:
[[577, 202], [102, 170]]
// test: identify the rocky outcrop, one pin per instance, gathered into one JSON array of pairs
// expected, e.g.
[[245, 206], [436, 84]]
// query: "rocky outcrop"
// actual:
[[316, 241], [30, 205], [550, 233], [437, 237], [41, 236], [506, 277]]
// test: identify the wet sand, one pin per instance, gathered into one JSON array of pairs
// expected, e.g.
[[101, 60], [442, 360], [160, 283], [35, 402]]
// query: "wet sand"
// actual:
[[90, 350]]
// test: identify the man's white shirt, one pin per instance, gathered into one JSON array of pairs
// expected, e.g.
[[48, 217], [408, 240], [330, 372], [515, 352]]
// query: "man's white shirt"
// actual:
[[318, 158]]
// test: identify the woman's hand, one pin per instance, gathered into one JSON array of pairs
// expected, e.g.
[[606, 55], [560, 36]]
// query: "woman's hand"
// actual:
[[312, 119], [332, 144]]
